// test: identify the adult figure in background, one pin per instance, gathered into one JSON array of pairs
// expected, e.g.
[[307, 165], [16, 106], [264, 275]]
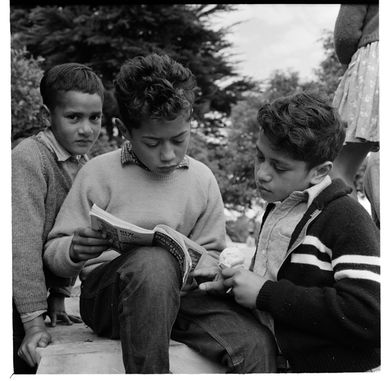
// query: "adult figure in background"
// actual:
[[356, 40]]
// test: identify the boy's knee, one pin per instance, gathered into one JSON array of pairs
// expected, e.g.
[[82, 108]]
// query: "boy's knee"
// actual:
[[150, 266]]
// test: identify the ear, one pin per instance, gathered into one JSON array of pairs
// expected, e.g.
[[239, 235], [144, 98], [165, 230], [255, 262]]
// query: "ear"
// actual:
[[320, 171], [122, 127], [46, 115]]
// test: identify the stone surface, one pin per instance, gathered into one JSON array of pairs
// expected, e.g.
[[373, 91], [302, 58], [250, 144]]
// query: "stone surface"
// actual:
[[76, 349]]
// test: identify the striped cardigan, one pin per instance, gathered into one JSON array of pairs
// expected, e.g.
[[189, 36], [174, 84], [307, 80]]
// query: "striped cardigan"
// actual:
[[326, 300]]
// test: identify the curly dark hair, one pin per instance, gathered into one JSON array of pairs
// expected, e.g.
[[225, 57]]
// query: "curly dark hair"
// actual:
[[66, 77], [154, 86], [304, 126]]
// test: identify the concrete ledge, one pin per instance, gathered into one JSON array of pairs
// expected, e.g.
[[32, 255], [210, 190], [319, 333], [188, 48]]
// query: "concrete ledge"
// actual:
[[76, 349]]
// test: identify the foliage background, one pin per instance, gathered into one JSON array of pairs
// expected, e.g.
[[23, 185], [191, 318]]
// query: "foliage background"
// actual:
[[105, 36]]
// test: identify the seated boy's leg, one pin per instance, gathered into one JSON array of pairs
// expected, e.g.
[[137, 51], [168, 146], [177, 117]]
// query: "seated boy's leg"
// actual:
[[222, 330], [135, 298]]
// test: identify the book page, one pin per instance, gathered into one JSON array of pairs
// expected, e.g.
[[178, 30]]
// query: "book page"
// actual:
[[123, 235], [194, 250]]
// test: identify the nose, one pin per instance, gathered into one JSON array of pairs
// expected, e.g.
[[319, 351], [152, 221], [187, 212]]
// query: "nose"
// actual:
[[86, 128], [262, 172], [167, 153]]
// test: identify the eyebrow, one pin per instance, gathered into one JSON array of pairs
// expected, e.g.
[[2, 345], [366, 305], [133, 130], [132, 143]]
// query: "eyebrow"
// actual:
[[81, 112], [275, 161], [172, 137]]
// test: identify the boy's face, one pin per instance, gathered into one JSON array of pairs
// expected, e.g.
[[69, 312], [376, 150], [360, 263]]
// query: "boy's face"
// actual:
[[277, 175], [161, 144], [76, 120]]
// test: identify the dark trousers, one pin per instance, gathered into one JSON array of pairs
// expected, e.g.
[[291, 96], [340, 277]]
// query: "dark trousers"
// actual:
[[136, 298], [19, 365]]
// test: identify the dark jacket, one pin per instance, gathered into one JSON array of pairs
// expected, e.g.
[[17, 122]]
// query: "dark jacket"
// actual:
[[326, 300]]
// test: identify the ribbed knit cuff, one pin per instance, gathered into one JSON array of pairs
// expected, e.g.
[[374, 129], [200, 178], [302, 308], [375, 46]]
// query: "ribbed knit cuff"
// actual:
[[263, 298]]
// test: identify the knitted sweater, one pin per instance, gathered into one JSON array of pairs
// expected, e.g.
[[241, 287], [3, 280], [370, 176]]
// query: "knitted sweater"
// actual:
[[39, 186], [188, 200], [326, 300], [356, 26]]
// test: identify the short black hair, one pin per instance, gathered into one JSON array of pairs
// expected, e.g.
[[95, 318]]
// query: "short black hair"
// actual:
[[155, 87], [305, 126], [66, 77]]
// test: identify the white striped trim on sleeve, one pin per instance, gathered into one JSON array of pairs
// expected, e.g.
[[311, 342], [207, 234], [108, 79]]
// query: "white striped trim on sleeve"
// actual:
[[310, 259], [354, 258], [314, 241], [357, 274]]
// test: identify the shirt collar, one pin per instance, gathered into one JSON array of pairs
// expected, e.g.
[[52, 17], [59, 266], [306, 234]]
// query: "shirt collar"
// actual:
[[128, 156], [61, 153], [315, 190], [312, 192]]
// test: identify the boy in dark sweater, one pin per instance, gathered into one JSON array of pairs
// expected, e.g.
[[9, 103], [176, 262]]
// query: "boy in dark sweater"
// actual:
[[315, 278]]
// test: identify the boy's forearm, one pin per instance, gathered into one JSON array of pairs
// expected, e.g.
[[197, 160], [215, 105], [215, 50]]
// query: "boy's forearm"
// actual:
[[37, 322], [57, 257]]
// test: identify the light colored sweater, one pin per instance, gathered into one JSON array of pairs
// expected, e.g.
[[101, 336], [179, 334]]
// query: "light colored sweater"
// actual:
[[188, 200], [40, 183]]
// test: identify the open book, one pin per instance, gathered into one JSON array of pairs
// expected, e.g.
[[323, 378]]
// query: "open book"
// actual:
[[125, 235]]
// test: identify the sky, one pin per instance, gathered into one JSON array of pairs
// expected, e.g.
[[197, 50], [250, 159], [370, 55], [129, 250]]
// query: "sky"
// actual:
[[278, 37]]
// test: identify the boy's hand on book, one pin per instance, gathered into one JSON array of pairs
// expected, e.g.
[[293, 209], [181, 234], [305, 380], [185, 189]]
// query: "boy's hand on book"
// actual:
[[210, 279], [88, 243], [245, 285]]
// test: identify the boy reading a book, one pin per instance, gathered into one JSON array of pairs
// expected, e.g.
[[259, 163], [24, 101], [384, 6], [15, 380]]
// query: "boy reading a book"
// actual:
[[315, 278], [149, 181], [43, 168]]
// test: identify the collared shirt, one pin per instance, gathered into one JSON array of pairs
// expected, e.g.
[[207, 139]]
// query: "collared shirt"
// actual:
[[128, 156], [275, 236], [71, 164]]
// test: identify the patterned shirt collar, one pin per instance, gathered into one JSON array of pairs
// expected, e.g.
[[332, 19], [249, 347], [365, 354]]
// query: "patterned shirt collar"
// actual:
[[61, 153], [128, 156]]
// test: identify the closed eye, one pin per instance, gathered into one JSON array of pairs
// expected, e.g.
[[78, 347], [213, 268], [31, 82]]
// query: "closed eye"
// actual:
[[179, 141]]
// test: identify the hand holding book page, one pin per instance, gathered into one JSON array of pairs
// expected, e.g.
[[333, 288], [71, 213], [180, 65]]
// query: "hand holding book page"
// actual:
[[125, 235]]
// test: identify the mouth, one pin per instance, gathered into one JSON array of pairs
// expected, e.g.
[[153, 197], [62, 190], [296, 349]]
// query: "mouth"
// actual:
[[262, 189], [169, 168], [83, 142]]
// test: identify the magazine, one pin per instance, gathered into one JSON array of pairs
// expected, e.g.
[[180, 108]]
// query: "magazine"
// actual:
[[125, 235]]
